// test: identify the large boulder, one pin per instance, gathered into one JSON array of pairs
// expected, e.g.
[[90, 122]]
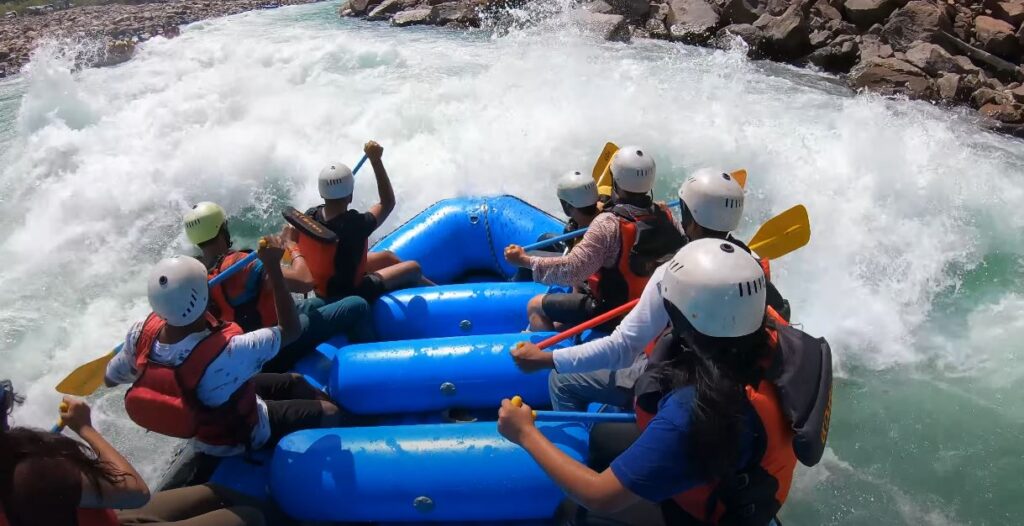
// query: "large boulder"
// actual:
[[1005, 113], [413, 17], [361, 7], [388, 8], [826, 11], [787, 36], [996, 37], [635, 10], [872, 46], [918, 20], [837, 57], [934, 60], [741, 11], [610, 27], [751, 36], [1011, 11], [985, 96], [948, 87], [866, 13], [692, 21], [456, 13], [891, 76]]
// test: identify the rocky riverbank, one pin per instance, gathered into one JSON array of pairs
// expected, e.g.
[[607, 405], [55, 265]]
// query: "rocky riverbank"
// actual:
[[951, 52], [115, 28]]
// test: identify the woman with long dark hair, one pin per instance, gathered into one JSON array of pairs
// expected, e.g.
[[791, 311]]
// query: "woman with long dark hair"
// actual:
[[721, 447], [47, 479]]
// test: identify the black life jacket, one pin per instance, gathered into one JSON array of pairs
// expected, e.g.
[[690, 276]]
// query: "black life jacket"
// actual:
[[647, 240]]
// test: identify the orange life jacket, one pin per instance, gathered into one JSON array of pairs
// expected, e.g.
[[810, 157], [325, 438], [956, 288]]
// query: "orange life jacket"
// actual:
[[774, 462], [85, 516], [164, 398], [645, 242], [245, 298]]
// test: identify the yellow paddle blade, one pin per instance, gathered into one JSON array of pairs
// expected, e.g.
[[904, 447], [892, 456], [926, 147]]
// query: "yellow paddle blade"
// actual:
[[741, 177], [601, 172], [86, 379], [782, 234]]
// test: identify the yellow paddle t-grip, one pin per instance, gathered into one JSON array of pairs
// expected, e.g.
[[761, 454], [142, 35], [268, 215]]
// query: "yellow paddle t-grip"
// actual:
[[518, 402], [60, 421]]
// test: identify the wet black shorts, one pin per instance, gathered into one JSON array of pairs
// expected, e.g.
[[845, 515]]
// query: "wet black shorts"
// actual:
[[292, 403], [569, 308], [370, 287]]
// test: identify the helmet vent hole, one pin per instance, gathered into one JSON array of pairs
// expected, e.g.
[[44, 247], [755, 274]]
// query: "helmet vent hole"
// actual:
[[727, 248], [726, 177], [163, 281], [639, 153]]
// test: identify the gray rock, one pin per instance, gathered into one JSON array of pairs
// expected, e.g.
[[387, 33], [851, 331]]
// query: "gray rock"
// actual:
[[918, 20], [996, 37], [866, 13], [1004, 113], [600, 7], [891, 76], [787, 36], [741, 11], [692, 21], [983, 96], [461, 14], [827, 11], [750, 35], [388, 8], [1017, 93], [413, 17], [819, 38], [636, 10], [656, 28], [361, 7], [837, 57], [933, 59], [610, 27], [948, 86], [1011, 11]]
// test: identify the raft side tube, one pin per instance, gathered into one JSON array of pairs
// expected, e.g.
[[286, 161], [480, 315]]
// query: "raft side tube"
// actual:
[[454, 310], [465, 235], [431, 473], [434, 374]]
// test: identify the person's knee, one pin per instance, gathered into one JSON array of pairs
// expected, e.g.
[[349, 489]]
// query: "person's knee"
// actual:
[[536, 304], [389, 258]]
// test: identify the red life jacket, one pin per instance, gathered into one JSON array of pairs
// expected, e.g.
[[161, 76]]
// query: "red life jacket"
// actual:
[[645, 242], [245, 298], [784, 440], [85, 516], [164, 399]]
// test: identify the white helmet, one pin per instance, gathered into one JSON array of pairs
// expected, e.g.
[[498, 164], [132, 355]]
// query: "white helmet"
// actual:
[[633, 170], [336, 181], [714, 198], [718, 287], [577, 189], [178, 291]]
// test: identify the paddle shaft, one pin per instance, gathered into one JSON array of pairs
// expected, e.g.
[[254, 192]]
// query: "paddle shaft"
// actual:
[[591, 418], [359, 165], [554, 240], [608, 316]]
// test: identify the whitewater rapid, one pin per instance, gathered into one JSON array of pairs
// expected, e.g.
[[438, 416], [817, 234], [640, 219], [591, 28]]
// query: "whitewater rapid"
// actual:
[[913, 272]]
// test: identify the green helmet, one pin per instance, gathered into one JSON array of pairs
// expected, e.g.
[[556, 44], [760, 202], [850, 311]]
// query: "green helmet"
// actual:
[[203, 222]]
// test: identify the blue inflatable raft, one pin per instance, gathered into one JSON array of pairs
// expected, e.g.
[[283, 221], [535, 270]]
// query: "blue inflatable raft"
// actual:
[[439, 348]]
